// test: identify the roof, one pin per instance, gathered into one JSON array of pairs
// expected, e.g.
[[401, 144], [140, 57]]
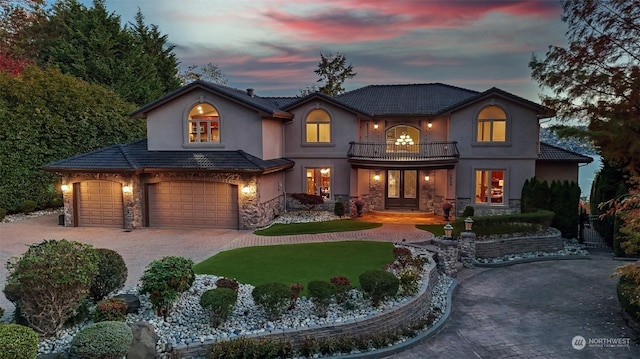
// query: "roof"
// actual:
[[239, 96], [411, 99], [553, 153], [134, 157], [542, 110]]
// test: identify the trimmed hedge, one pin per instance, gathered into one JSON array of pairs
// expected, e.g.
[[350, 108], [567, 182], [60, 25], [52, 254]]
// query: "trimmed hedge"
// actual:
[[104, 340], [272, 297], [219, 303], [251, 348], [321, 293], [112, 274], [379, 285], [542, 218], [18, 341]]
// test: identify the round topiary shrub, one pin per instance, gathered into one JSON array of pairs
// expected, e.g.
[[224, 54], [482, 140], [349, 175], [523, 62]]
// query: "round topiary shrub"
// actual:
[[321, 293], [18, 341], [110, 309], [219, 303], [112, 274], [104, 340], [28, 206], [468, 212], [379, 285], [272, 297]]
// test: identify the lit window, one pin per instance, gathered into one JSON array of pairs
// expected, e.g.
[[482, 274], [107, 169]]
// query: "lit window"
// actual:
[[402, 139], [203, 124], [318, 182], [318, 126], [492, 125], [490, 186]]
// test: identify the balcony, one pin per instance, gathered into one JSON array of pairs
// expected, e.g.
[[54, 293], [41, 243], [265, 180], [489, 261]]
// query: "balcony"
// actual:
[[389, 154]]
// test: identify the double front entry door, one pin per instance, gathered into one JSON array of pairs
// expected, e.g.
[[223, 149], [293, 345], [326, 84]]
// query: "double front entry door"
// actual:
[[402, 189]]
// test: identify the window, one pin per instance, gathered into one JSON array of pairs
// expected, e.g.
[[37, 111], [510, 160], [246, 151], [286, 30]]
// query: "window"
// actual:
[[203, 124], [492, 125], [318, 182], [318, 127], [490, 186], [403, 139]]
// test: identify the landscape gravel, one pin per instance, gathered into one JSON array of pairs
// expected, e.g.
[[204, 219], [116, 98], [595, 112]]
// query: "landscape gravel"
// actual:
[[571, 248]]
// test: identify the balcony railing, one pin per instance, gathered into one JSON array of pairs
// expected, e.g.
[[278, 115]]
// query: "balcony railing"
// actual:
[[436, 151]]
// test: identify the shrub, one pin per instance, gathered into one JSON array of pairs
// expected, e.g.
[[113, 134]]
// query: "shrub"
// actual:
[[83, 312], [409, 279], [28, 206], [3, 213], [296, 289], [1, 312], [165, 279], [338, 209], [251, 348], [272, 298], [228, 283], [402, 254], [104, 340], [309, 201], [112, 274], [18, 341], [468, 212], [321, 293], [50, 281], [342, 286], [219, 303], [111, 309], [379, 285], [626, 290]]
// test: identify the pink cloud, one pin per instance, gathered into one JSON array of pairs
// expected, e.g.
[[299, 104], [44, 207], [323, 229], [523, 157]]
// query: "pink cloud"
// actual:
[[364, 20]]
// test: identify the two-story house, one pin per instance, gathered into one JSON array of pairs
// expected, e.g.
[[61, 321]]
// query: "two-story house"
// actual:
[[218, 157]]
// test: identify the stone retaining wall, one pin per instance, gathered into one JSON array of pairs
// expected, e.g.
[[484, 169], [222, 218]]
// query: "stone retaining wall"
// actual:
[[500, 247], [395, 318]]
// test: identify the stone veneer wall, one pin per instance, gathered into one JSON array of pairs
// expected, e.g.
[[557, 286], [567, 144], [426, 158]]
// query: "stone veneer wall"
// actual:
[[398, 317], [500, 247], [486, 210]]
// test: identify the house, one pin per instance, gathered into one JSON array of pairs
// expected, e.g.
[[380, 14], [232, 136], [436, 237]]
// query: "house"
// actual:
[[218, 157]]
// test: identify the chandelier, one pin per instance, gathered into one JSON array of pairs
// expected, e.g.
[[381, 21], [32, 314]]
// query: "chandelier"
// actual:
[[404, 139]]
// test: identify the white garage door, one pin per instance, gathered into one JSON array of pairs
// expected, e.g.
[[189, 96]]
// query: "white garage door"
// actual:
[[193, 205], [99, 204]]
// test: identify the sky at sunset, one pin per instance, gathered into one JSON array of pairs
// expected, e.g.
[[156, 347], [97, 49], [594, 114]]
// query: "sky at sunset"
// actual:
[[274, 45]]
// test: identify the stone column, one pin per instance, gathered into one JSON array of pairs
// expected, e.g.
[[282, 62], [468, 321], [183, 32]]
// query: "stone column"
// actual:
[[467, 247], [447, 255]]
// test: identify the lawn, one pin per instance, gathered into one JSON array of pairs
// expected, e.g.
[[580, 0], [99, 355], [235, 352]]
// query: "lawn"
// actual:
[[298, 263], [341, 225]]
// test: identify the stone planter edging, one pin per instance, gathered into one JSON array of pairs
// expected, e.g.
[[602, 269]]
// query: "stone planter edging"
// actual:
[[530, 260], [494, 248], [393, 318]]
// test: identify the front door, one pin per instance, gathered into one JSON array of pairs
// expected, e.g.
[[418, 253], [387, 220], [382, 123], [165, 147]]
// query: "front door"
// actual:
[[402, 189]]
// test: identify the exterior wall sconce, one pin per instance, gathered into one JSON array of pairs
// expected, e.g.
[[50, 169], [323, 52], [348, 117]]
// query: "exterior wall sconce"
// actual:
[[375, 126], [447, 230], [65, 187], [246, 189], [376, 177], [468, 223], [429, 125], [427, 178], [126, 189]]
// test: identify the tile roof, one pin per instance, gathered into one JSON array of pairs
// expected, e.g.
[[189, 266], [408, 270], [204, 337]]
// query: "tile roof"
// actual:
[[135, 157], [411, 99], [553, 153]]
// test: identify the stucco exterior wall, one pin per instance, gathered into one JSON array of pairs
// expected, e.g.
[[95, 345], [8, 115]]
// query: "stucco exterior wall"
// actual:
[[240, 127], [273, 145]]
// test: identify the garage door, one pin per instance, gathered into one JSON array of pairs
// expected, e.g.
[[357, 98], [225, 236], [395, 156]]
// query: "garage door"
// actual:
[[99, 204], [193, 205]]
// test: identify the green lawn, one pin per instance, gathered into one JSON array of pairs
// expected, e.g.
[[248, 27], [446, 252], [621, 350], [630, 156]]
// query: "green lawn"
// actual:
[[298, 263], [340, 225]]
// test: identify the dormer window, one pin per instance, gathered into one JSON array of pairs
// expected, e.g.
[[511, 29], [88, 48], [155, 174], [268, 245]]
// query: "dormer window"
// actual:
[[203, 124]]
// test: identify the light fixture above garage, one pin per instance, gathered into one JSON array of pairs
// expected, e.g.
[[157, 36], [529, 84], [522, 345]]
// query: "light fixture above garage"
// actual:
[[246, 189], [64, 187], [126, 189]]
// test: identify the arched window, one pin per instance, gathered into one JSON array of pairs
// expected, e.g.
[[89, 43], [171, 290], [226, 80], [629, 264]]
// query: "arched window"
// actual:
[[403, 139], [203, 124], [318, 127], [492, 125]]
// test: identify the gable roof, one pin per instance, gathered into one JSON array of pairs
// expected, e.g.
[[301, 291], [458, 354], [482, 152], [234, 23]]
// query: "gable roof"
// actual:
[[319, 95], [554, 153], [134, 157], [239, 96], [543, 111], [411, 99]]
